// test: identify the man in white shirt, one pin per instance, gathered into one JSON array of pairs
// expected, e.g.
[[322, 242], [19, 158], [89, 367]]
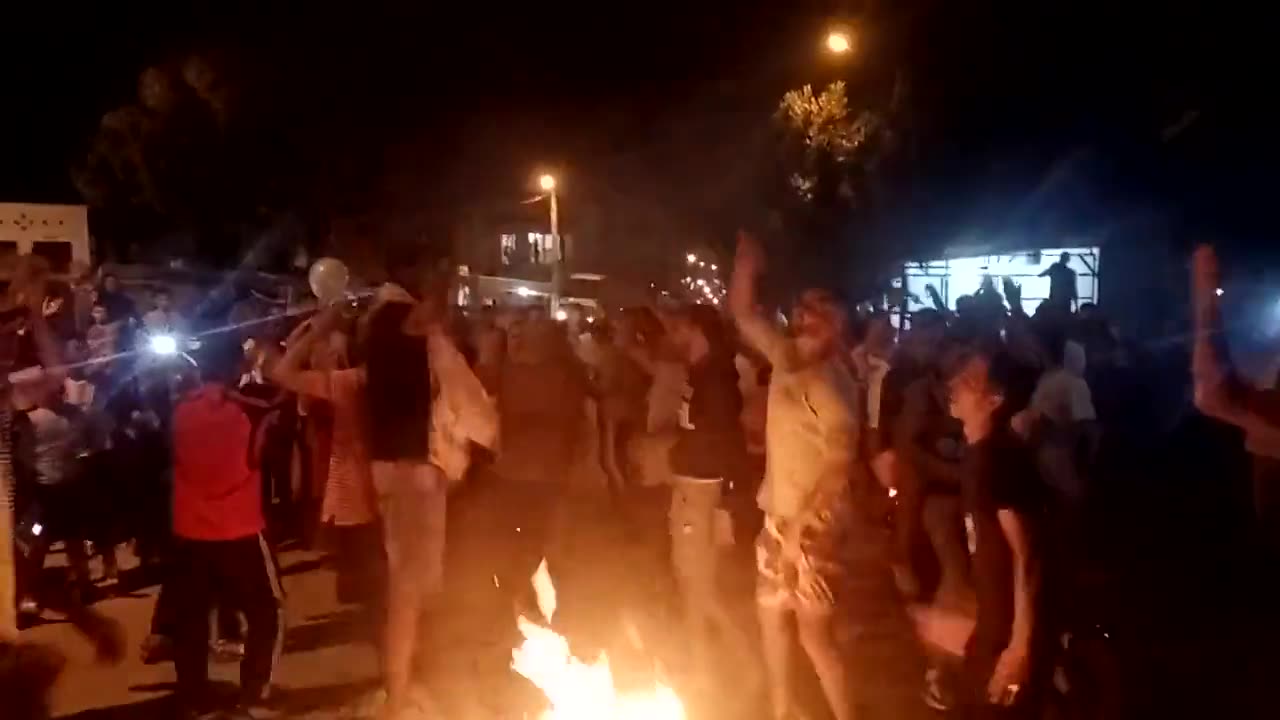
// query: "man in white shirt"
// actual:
[[1061, 415], [162, 318], [811, 436]]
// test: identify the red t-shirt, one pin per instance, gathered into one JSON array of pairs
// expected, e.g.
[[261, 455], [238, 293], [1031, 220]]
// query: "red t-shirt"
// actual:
[[216, 494]]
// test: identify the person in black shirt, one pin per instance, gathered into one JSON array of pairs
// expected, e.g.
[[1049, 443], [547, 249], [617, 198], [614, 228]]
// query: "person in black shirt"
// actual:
[[999, 498], [708, 441], [120, 307]]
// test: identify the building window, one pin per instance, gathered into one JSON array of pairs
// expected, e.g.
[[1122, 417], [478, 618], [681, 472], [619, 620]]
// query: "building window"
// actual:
[[541, 248], [508, 248]]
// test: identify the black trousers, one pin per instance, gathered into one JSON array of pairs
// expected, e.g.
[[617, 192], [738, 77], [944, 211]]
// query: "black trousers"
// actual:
[[245, 572], [164, 616], [59, 512]]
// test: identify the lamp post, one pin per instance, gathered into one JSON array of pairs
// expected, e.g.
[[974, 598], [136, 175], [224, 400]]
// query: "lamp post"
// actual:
[[548, 184]]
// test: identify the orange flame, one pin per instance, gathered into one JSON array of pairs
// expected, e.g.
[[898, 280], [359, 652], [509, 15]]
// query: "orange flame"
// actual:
[[578, 690]]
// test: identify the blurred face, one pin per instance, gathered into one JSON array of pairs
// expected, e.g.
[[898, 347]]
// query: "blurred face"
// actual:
[[687, 340], [162, 302], [923, 340], [816, 323], [111, 283], [99, 314], [880, 336], [972, 400]]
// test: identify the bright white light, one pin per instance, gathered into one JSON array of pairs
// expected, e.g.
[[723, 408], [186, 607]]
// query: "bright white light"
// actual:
[[163, 345], [523, 291], [547, 182], [893, 492], [561, 315], [713, 267], [36, 529], [702, 282], [691, 258], [1220, 291], [839, 42], [715, 301], [591, 320], [702, 263]]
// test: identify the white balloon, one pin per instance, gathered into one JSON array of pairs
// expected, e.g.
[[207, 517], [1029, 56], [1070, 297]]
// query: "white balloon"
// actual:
[[328, 278]]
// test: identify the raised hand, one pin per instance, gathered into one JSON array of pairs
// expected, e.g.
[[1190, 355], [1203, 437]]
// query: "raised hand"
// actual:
[[935, 297], [1206, 278], [1012, 292], [749, 258], [1205, 274]]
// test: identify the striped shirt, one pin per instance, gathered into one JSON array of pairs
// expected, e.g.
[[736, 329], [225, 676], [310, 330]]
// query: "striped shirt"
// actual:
[[348, 490], [6, 457]]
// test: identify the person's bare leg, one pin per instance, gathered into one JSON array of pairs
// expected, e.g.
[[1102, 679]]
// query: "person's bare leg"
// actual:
[[717, 616], [696, 625], [609, 457], [775, 633], [403, 614], [944, 525], [818, 639]]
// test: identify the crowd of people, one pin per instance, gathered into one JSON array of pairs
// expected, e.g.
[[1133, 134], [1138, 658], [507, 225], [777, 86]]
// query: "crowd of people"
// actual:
[[949, 455]]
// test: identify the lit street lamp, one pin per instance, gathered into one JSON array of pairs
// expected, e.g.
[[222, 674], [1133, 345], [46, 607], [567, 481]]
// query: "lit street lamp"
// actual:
[[839, 42], [548, 184]]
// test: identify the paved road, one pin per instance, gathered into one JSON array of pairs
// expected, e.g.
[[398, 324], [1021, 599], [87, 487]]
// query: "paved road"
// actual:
[[610, 572]]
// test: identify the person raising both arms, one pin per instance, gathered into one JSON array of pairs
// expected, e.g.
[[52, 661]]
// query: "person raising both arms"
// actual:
[[423, 407]]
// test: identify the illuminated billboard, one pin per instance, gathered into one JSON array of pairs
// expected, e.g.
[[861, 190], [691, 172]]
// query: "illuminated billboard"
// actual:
[[962, 274]]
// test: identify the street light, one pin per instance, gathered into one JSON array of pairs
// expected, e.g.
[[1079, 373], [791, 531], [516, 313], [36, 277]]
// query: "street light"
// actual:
[[839, 42], [547, 182]]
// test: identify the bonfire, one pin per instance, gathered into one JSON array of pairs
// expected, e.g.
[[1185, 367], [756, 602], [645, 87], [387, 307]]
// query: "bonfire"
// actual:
[[578, 690]]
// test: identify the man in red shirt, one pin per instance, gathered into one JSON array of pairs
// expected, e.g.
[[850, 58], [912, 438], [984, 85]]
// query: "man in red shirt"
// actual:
[[217, 525]]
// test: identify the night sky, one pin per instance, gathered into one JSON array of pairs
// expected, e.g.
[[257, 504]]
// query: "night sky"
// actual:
[[1041, 114]]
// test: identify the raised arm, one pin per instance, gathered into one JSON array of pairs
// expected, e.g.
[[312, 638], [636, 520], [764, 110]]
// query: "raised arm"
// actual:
[[1219, 392], [287, 371], [1013, 295], [936, 299], [761, 334], [46, 347]]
